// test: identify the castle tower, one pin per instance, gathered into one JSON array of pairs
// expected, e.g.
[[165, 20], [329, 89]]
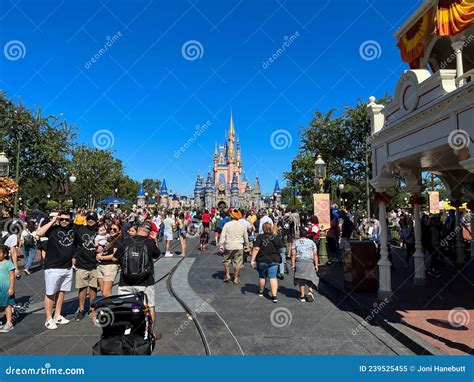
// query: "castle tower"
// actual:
[[234, 192], [257, 193], [231, 140], [209, 192], [277, 194], [164, 201], [198, 192], [141, 197]]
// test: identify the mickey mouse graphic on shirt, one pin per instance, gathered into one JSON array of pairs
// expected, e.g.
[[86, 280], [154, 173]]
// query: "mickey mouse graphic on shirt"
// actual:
[[66, 238], [88, 242]]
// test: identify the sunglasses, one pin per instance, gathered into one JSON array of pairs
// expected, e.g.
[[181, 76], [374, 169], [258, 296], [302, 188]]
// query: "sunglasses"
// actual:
[[115, 230], [64, 220]]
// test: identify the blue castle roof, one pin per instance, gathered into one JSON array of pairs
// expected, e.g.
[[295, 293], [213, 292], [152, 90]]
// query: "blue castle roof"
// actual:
[[163, 188], [277, 189], [141, 192]]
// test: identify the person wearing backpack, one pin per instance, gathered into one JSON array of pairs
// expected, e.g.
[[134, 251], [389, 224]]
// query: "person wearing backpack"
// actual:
[[135, 256], [28, 245]]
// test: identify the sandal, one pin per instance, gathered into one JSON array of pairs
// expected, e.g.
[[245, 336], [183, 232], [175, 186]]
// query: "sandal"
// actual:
[[226, 279], [236, 281]]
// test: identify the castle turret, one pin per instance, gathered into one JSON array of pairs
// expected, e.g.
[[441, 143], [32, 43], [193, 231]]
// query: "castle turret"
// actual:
[[164, 194], [257, 193], [209, 192], [231, 139], [198, 188], [141, 197], [234, 192], [277, 194]]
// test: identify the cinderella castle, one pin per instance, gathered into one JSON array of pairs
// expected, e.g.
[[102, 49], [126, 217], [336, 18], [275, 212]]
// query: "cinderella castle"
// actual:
[[227, 185]]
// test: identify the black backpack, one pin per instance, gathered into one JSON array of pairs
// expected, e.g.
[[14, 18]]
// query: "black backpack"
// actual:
[[135, 263], [29, 240]]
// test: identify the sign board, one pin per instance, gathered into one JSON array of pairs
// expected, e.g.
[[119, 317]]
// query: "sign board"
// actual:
[[434, 202], [322, 210]]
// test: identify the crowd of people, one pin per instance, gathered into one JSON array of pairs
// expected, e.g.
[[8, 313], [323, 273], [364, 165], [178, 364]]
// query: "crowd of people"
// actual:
[[94, 248]]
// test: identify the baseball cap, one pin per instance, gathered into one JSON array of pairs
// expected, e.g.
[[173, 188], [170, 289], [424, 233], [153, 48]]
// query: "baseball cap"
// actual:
[[91, 216]]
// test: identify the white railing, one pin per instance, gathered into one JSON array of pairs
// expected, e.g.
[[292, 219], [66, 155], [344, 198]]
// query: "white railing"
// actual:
[[465, 78]]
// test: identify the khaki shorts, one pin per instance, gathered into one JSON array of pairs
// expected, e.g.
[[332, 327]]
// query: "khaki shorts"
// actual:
[[149, 292], [86, 279], [107, 272], [235, 257]]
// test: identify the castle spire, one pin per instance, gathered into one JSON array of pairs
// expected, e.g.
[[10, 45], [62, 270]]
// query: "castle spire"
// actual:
[[231, 127]]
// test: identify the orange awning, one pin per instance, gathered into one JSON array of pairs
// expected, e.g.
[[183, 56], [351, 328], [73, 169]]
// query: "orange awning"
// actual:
[[453, 16], [448, 18]]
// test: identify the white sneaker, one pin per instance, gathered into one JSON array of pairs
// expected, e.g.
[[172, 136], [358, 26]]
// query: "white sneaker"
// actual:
[[168, 254], [61, 320], [6, 328], [50, 324]]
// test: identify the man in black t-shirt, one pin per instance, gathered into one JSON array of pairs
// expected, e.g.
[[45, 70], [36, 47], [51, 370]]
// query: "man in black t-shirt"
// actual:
[[58, 266], [86, 263], [144, 284]]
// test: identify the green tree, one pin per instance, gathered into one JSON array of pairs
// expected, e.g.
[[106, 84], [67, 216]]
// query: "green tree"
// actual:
[[340, 139], [151, 185], [97, 173]]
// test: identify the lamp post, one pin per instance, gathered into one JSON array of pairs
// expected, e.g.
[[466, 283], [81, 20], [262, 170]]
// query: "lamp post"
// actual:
[[320, 169], [4, 165], [320, 172]]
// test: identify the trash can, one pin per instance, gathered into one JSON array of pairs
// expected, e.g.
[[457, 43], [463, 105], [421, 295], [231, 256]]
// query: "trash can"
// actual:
[[360, 266]]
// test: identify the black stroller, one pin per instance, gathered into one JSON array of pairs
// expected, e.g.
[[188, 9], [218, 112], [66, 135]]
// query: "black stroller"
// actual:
[[126, 325]]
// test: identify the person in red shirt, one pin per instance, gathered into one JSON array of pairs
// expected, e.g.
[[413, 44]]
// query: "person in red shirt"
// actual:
[[206, 219]]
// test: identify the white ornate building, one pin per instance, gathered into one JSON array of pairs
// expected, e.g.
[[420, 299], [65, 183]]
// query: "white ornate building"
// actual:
[[429, 126]]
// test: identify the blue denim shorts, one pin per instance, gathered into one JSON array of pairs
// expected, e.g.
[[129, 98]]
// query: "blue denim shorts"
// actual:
[[269, 270]]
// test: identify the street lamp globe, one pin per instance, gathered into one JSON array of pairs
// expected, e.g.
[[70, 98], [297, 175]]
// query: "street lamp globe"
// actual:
[[72, 178], [320, 168], [4, 165], [341, 186], [48, 196]]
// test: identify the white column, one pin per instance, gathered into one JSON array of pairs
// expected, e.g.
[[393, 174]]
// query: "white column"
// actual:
[[459, 241], [385, 266], [457, 47], [419, 256], [471, 227]]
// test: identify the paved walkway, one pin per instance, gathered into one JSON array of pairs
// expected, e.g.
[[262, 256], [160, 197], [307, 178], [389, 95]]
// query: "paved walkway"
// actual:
[[439, 316], [234, 319]]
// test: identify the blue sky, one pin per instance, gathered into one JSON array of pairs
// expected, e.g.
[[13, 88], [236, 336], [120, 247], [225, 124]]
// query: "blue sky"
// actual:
[[145, 93]]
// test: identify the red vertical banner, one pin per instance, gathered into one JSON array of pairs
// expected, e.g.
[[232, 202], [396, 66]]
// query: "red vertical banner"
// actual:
[[322, 210], [434, 202]]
